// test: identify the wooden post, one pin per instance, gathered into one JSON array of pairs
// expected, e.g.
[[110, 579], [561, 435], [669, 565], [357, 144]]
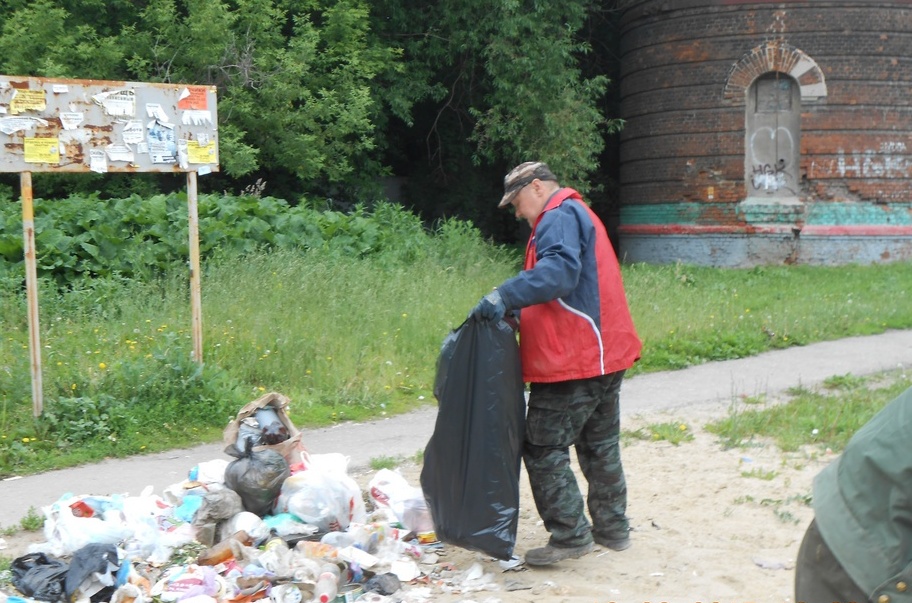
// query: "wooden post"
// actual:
[[196, 304], [31, 289]]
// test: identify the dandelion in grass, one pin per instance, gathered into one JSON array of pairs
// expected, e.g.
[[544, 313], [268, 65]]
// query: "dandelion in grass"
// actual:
[[102, 365]]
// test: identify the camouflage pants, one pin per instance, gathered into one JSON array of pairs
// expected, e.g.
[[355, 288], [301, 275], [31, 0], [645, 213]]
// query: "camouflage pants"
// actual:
[[584, 413]]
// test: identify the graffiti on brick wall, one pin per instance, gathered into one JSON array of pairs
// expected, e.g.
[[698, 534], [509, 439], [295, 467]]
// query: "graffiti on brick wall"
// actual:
[[886, 162], [770, 173], [768, 177]]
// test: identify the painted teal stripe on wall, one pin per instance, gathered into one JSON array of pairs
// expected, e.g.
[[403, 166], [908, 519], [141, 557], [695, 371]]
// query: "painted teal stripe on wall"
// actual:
[[830, 214], [664, 213], [812, 214]]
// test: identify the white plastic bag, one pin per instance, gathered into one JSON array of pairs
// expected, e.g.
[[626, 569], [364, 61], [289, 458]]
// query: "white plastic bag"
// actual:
[[65, 533], [323, 494], [392, 491]]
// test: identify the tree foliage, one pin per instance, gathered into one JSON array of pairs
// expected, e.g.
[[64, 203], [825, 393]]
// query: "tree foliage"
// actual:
[[325, 98]]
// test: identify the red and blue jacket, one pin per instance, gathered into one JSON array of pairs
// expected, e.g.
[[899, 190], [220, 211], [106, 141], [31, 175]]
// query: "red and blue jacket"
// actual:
[[575, 321]]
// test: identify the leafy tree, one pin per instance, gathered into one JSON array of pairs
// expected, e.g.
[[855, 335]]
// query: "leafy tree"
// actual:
[[322, 99], [300, 84], [501, 83]]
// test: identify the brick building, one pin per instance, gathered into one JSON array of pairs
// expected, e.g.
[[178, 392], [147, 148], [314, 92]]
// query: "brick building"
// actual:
[[763, 132]]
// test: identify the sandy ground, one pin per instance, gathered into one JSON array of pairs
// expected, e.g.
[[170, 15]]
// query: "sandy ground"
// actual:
[[709, 524], [704, 527]]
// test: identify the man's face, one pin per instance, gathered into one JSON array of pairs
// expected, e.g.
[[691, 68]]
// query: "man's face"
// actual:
[[527, 203]]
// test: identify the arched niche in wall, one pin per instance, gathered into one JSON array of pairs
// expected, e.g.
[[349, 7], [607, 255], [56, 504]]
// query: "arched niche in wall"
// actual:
[[772, 137], [772, 81]]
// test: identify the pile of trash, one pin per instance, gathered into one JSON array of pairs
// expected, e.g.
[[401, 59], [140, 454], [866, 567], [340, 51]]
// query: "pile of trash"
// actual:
[[275, 522]]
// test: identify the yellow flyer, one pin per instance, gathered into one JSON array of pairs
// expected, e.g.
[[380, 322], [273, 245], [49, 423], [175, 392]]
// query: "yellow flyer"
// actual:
[[42, 150], [27, 100], [200, 153]]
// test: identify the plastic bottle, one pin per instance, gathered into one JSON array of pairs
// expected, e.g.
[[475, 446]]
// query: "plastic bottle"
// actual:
[[222, 551], [327, 585]]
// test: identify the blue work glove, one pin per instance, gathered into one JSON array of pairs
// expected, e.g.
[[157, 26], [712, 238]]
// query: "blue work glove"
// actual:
[[491, 307]]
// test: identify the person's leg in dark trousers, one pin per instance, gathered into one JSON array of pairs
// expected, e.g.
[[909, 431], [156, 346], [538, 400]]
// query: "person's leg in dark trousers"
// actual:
[[819, 577], [556, 416], [599, 454]]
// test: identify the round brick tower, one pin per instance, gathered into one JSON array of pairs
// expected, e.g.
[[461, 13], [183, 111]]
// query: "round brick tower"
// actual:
[[766, 132]]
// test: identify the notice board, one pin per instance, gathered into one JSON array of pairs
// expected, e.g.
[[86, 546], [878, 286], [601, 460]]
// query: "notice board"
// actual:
[[56, 125]]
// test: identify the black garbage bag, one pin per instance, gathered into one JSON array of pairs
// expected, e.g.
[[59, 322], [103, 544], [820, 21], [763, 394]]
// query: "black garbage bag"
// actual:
[[39, 576], [471, 467], [93, 558], [257, 476]]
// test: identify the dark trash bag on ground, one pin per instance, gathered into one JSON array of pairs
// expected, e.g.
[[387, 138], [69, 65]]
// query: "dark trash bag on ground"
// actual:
[[93, 558], [471, 467], [257, 476], [39, 576]]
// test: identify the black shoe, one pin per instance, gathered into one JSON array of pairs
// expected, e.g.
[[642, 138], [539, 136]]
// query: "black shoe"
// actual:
[[615, 544], [549, 554]]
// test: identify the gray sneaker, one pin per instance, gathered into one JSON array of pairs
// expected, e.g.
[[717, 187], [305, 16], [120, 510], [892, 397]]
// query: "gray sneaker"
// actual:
[[550, 554]]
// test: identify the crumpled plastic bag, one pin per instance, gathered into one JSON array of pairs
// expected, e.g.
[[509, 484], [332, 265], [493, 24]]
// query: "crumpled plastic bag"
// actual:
[[277, 432], [257, 476], [65, 533], [216, 506], [92, 573], [39, 576], [255, 526], [388, 489], [323, 495]]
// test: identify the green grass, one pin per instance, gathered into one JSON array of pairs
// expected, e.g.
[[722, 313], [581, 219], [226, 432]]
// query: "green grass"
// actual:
[[823, 418], [689, 315], [384, 462], [674, 432], [349, 338], [761, 474]]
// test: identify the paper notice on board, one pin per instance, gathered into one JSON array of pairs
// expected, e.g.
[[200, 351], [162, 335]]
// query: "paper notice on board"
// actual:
[[182, 154], [70, 120], [27, 100], [133, 132], [155, 111], [196, 118], [119, 152], [98, 161], [199, 153], [42, 150], [117, 103], [8, 125], [162, 144], [193, 97], [60, 88]]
